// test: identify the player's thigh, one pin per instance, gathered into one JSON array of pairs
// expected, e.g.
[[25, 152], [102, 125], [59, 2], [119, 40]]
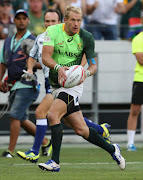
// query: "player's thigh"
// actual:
[[76, 121], [57, 110], [45, 104]]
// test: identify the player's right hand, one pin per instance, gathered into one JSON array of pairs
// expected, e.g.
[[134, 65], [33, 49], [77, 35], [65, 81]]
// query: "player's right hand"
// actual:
[[61, 72]]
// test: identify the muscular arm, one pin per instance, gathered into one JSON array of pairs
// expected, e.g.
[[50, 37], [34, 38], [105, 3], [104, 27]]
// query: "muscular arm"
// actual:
[[47, 56], [30, 64], [38, 65], [84, 61], [139, 57], [92, 67]]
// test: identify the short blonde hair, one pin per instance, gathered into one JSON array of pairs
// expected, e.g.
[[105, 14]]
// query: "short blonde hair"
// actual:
[[73, 9]]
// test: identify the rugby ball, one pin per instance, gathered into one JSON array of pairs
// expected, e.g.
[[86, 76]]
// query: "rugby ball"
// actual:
[[74, 75]]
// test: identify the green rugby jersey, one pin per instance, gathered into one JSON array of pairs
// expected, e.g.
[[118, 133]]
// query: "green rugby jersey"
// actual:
[[68, 50], [137, 46]]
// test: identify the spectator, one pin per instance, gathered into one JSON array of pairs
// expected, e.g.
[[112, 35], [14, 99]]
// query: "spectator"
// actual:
[[51, 4], [81, 4], [130, 24], [104, 18], [36, 16], [20, 4], [7, 28], [23, 93], [124, 27], [134, 21], [137, 95], [56, 4]]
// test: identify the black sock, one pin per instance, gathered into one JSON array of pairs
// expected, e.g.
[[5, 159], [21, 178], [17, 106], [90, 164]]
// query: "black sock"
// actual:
[[98, 140], [56, 137]]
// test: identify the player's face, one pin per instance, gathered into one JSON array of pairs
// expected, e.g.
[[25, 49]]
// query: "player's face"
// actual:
[[73, 23], [21, 21], [51, 18]]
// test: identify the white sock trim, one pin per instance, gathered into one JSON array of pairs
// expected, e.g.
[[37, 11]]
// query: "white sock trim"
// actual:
[[41, 122], [131, 136]]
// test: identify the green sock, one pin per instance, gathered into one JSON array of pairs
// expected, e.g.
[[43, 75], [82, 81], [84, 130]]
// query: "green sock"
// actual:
[[98, 140], [57, 134]]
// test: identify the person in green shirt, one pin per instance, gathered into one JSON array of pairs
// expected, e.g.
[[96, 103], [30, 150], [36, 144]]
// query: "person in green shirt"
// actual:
[[129, 25], [36, 16], [64, 46], [137, 96]]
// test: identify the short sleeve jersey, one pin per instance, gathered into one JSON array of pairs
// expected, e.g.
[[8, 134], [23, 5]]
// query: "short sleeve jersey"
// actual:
[[68, 50], [36, 53], [137, 46]]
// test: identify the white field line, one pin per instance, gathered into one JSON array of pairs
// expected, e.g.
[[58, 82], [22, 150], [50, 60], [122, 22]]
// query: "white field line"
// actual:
[[98, 163]]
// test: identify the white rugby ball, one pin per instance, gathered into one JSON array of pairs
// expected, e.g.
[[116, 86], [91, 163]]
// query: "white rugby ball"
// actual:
[[74, 75]]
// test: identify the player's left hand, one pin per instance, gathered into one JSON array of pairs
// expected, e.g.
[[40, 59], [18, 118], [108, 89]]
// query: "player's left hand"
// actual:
[[28, 76], [84, 77]]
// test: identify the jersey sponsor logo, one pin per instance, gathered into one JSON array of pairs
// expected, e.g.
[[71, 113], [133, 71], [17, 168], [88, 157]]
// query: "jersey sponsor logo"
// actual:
[[69, 54], [79, 47], [70, 39], [60, 44], [47, 39]]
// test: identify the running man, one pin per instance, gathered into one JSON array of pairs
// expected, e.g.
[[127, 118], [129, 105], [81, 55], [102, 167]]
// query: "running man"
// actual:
[[64, 45]]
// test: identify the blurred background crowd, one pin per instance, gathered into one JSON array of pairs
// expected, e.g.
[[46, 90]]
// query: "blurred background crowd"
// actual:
[[105, 19]]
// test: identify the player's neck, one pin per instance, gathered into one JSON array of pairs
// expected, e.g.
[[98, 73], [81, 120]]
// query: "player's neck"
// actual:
[[68, 32]]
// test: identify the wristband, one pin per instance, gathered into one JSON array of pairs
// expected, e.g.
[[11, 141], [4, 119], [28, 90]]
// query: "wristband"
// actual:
[[57, 67], [87, 73]]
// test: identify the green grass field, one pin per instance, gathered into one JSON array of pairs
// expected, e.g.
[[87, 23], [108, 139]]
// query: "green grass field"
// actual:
[[77, 163]]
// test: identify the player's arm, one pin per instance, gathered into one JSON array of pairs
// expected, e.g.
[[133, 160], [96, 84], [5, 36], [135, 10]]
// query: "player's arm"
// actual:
[[49, 61], [47, 56], [84, 61], [33, 56], [92, 68], [31, 62], [90, 56], [139, 57], [137, 49]]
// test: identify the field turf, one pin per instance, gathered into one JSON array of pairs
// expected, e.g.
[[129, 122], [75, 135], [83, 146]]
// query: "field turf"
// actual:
[[77, 163]]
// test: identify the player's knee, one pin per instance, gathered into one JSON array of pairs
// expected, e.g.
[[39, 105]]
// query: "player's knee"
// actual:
[[80, 131], [53, 118], [40, 114]]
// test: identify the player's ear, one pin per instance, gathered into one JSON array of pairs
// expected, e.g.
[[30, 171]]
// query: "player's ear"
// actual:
[[29, 22]]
